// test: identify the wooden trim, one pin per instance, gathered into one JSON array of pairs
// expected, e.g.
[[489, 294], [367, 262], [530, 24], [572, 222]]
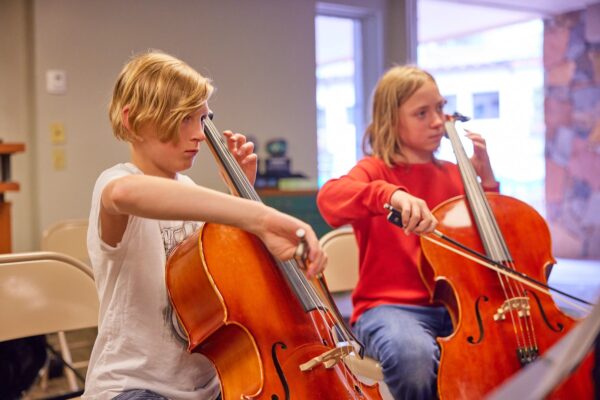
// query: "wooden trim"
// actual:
[[277, 192], [5, 228], [9, 148], [9, 187]]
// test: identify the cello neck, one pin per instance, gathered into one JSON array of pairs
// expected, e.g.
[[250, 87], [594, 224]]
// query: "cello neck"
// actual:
[[232, 172], [487, 226], [240, 185]]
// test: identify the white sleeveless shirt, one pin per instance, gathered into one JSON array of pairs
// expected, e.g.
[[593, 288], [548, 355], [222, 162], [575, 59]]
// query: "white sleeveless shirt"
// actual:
[[137, 347]]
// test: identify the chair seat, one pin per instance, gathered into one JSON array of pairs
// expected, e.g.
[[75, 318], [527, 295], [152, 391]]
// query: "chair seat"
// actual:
[[43, 293], [365, 367], [341, 276]]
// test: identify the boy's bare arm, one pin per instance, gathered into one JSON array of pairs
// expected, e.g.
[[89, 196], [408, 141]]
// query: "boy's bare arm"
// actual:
[[166, 199]]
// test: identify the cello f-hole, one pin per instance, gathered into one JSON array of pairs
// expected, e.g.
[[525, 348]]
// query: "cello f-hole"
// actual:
[[559, 327], [280, 373], [470, 339]]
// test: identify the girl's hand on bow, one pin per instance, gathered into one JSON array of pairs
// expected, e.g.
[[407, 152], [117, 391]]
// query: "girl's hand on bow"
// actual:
[[416, 216]]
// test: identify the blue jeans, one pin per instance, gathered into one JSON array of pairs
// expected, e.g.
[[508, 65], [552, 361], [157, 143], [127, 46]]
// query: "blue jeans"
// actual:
[[142, 394], [402, 339], [139, 394]]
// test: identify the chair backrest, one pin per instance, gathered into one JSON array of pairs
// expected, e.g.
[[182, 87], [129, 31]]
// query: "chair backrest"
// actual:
[[341, 275], [45, 292], [340, 246], [68, 237]]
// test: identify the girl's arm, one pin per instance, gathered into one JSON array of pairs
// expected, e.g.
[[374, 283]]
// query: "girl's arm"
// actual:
[[362, 194], [359, 194]]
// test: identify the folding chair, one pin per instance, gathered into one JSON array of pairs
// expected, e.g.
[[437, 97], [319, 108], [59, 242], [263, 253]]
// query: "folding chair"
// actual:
[[341, 275], [68, 237], [43, 293]]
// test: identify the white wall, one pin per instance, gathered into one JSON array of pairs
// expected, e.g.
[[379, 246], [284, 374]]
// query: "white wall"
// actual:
[[259, 53], [17, 114], [258, 56]]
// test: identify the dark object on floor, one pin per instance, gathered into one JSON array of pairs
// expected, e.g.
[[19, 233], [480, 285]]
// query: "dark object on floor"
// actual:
[[56, 365], [20, 362]]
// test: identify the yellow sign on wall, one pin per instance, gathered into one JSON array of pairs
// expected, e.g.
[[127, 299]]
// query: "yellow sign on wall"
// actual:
[[57, 133]]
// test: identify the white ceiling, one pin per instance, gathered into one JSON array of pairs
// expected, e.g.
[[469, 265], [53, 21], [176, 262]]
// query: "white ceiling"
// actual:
[[444, 19]]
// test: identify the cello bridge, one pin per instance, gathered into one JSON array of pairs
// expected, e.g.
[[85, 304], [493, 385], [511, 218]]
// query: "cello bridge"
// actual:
[[518, 304], [329, 359]]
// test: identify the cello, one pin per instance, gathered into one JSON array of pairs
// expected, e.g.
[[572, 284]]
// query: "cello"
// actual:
[[260, 321], [503, 316]]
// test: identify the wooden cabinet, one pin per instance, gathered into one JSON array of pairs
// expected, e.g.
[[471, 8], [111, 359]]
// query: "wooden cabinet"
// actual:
[[301, 204], [7, 185]]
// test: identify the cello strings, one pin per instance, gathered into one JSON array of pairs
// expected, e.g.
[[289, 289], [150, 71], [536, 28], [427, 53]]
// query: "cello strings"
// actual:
[[233, 169], [531, 331], [470, 183], [325, 318], [505, 283], [498, 251], [501, 250], [529, 355], [322, 308], [321, 314], [246, 190], [486, 264], [331, 314], [481, 209], [509, 272]]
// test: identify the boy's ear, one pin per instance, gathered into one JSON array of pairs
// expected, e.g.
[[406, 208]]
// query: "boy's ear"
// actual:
[[127, 125], [125, 118]]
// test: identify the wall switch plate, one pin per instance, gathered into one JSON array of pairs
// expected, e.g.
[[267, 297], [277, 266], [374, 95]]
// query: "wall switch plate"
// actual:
[[56, 81]]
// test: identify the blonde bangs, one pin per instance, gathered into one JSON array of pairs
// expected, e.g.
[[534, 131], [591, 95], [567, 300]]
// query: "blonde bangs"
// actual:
[[158, 89]]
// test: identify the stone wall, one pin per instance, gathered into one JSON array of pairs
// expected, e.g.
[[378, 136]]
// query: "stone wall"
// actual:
[[572, 116]]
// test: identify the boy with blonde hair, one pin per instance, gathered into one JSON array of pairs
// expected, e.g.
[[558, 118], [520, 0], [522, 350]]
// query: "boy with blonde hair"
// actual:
[[141, 210]]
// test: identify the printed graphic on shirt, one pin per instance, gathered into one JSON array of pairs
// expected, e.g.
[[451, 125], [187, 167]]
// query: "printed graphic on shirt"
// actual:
[[175, 233], [172, 234]]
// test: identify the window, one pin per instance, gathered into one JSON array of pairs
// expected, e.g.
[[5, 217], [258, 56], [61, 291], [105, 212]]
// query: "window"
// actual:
[[337, 66], [450, 107], [486, 105], [495, 70], [348, 63]]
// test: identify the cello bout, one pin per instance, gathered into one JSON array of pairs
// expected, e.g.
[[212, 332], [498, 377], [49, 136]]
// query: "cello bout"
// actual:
[[222, 293], [485, 318]]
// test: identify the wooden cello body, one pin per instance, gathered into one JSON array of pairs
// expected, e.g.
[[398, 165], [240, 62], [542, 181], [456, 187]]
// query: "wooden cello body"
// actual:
[[484, 349], [500, 324], [258, 320]]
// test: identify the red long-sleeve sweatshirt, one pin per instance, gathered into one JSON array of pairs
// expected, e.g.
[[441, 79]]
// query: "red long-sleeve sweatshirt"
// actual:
[[388, 258]]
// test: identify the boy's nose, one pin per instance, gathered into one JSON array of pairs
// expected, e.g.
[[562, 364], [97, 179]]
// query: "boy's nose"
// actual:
[[199, 134]]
